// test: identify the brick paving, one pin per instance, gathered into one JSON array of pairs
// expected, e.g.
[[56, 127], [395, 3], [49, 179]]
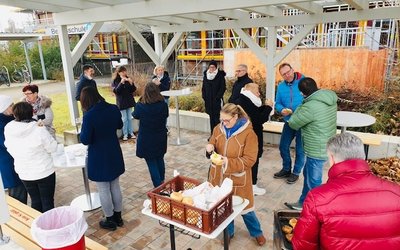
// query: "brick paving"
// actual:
[[142, 232]]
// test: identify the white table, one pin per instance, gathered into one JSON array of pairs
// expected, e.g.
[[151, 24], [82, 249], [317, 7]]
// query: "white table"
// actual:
[[176, 94], [74, 156], [353, 119], [223, 227]]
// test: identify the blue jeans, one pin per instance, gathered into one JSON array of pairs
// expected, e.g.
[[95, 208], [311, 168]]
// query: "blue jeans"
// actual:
[[127, 120], [312, 176], [157, 170], [251, 222], [284, 148]]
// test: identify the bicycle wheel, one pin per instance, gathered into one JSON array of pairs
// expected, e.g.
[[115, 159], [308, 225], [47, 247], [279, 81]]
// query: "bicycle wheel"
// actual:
[[17, 77], [27, 78], [4, 76]]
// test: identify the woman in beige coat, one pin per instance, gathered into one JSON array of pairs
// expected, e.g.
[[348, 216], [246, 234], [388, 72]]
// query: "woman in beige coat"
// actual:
[[236, 141]]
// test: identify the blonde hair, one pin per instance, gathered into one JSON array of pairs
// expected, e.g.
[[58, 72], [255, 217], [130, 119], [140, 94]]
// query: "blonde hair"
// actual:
[[233, 109], [158, 67]]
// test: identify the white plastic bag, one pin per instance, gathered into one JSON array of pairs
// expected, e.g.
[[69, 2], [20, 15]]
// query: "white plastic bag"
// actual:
[[59, 227]]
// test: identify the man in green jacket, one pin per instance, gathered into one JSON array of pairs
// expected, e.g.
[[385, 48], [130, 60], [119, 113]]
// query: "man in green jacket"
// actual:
[[316, 118]]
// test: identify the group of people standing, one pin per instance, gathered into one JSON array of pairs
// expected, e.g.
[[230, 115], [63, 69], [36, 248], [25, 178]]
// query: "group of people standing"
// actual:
[[27, 142], [333, 213], [105, 162], [309, 115]]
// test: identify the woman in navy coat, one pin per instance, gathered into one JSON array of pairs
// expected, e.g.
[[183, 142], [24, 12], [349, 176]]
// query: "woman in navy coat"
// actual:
[[10, 178], [152, 112], [105, 162]]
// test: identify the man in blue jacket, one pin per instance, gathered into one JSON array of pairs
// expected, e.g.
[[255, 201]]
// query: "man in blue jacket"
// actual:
[[85, 80], [10, 178], [288, 98]]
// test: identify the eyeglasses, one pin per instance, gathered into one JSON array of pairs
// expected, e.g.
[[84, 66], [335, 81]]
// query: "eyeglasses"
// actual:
[[239, 70], [28, 93], [226, 120], [287, 73]]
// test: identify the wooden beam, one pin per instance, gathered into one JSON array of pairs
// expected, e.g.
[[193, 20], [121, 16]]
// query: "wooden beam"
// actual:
[[308, 7], [342, 16], [357, 4], [135, 33], [293, 43], [84, 42]]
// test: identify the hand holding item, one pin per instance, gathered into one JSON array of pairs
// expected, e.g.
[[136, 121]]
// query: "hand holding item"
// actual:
[[286, 112], [209, 148], [269, 102], [218, 159]]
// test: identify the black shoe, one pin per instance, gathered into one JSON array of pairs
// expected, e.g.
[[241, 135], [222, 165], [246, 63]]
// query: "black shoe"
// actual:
[[108, 223], [118, 219], [282, 174], [292, 178]]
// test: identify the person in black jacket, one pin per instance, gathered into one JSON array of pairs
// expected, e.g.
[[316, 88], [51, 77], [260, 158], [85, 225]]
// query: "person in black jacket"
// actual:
[[242, 79], [85, 80], [249, 99], [124, 88], [162, 80], [213, 90]]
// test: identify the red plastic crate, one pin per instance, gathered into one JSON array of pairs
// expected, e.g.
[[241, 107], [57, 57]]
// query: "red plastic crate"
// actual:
[[190, 216]]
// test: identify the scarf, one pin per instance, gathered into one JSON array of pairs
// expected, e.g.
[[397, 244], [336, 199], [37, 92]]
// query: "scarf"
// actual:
[[239, 123], [253, 98], [211, 75], [36, 105]]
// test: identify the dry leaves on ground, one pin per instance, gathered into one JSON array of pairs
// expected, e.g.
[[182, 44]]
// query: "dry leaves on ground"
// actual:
[[387, 168]]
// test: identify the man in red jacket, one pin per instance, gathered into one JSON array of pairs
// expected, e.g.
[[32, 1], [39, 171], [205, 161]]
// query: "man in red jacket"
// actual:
[[354, 209]]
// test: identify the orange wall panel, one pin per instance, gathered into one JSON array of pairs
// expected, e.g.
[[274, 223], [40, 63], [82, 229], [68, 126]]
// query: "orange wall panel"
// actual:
[[332, 68]]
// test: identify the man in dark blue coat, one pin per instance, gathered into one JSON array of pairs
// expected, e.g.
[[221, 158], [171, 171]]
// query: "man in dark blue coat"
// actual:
[[10, 178], [85, 80]]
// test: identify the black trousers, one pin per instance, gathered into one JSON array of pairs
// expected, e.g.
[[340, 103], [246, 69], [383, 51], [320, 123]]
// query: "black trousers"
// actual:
[[214, 120], [19, 193], [254, 171], [42, 192]]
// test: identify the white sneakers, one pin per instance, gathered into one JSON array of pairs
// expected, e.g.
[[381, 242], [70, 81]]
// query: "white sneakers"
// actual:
[[125, 138], [258, 190]]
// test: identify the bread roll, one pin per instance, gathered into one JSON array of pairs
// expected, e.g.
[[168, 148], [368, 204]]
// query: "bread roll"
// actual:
[[188, 200], [216, 159], [293, 222], [287, 229], [289, 237], [176, 196]]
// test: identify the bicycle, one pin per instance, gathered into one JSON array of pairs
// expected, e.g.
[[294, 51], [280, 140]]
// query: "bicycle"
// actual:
[[4, 76], [21, 75]]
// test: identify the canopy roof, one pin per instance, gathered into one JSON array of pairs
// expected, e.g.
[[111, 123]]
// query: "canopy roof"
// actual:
[[180, 16], [183, 15]]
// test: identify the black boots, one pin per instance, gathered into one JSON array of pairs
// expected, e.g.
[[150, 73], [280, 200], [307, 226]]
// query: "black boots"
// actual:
[[112, 222], [108, 223], [117, 219]]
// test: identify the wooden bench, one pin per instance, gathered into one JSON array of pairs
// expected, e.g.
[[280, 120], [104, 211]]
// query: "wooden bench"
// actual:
[[368, 139], [18, 227]]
